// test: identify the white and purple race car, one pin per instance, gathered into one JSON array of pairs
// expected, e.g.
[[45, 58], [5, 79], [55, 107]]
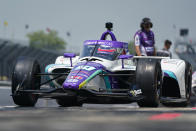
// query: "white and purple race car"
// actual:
[[104, 72]]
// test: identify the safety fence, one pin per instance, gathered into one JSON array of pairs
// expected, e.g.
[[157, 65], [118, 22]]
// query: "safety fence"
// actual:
[[9, 52]]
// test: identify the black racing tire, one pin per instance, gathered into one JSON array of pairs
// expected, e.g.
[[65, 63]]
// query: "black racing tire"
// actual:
[[68, 102], [149, 80], [188, 83], [23, 78]]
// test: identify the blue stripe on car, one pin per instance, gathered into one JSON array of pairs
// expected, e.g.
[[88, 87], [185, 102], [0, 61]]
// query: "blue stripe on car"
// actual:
[[170, 74], [47, 77], [107, 82]]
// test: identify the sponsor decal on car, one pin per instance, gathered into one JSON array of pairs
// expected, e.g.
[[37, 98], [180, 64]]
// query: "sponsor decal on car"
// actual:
[[80, 73], [136, 92], [105, 43], [72, 80], [84, 73], [76, 77], [86, 67], [105, 46]]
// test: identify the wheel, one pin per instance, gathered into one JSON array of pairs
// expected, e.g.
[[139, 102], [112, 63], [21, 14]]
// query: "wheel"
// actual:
[[67, 102], [188, 82], [149, 80], [23, 78]]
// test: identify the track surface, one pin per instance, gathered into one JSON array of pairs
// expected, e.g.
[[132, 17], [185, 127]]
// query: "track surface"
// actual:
[[47, 116]]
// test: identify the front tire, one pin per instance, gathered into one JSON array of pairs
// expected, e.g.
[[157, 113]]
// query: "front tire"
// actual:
[[149, 80], [23, 78]]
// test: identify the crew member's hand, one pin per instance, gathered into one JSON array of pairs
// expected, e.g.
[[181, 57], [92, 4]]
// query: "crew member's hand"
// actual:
[[137, 50], [155, 53]]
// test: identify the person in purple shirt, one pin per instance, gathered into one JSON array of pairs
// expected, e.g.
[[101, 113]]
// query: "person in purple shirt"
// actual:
[[144, 39]]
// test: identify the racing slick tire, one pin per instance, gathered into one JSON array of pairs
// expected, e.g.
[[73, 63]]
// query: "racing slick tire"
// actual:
[[23, 78], [68, 102], [149, 80], [188, 82]]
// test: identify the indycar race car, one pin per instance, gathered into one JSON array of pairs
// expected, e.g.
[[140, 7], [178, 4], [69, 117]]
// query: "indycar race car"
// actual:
[[104, 72]]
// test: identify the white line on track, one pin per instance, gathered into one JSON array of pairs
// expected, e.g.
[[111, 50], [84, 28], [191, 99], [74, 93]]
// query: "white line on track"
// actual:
[[2, 107], [9, 106], [5, 87]]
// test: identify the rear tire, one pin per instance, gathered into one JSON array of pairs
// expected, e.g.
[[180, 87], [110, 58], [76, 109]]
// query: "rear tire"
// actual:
[[149, 80], [23, 78], [188, 83]]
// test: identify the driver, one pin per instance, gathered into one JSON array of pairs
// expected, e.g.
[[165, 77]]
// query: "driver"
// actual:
[[144, 39]]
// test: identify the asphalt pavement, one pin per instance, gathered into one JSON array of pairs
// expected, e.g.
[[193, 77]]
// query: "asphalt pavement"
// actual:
[[48, 116]]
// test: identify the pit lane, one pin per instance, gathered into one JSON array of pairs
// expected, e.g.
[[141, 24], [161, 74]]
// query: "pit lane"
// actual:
[[46, 115]]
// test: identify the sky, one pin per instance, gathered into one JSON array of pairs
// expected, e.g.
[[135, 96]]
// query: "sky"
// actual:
[[85, 19]]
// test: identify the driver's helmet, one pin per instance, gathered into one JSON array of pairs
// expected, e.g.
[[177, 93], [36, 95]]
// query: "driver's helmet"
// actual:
[[104, 49]]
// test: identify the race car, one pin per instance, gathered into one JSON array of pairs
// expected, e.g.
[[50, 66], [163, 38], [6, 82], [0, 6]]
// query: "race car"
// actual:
[[104, 72]]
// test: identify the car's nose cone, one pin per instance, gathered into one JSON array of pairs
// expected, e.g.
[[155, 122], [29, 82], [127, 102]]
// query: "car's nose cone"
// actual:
[[80, 73]]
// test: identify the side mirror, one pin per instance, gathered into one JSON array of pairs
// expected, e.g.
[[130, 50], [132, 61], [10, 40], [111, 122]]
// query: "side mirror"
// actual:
[[125, 56], [122, 57], [69, 55]]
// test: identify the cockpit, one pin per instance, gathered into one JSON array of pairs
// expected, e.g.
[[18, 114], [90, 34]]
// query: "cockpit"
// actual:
[[105, 49]]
